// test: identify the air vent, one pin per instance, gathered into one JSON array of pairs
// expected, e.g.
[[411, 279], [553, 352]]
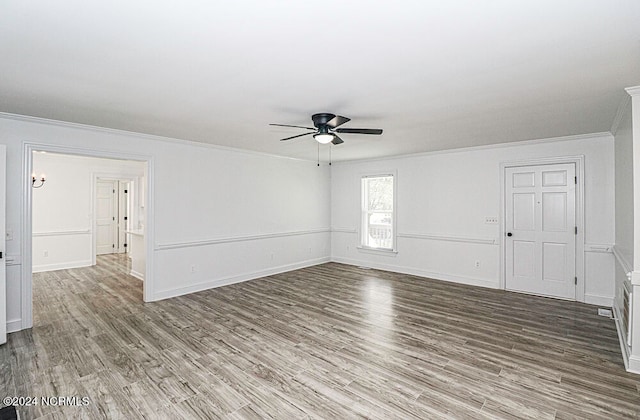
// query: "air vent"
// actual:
[[605, 312]]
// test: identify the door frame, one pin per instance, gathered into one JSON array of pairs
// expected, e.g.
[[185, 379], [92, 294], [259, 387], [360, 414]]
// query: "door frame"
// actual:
[[27, 216], [578, 161]]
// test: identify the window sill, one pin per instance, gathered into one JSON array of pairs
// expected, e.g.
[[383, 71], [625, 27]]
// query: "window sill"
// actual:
[[379, 251]]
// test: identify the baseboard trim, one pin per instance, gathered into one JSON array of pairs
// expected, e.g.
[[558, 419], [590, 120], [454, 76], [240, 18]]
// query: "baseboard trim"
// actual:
[[137, 275], [469, 281], [62, 266], [226, 281], [14, 325], [599, 300], [634, 365], [624, 349]]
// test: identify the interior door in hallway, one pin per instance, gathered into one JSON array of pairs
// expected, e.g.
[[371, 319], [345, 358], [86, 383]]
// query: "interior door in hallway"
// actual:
[[540, 225], [106, 212]]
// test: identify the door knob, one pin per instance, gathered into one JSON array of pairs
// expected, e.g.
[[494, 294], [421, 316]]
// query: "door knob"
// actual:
[[509, 234]]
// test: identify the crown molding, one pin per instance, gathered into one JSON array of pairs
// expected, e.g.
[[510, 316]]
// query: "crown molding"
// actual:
[[633, 91], [145, 136], [622, 108], [113, 131], [588, 136]]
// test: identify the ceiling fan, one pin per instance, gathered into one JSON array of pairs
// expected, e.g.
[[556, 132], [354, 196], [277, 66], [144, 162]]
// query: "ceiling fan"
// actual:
[[326, 128]]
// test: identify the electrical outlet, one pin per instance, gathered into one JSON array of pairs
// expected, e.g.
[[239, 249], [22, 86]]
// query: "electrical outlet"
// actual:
[[9, 235], [477, 265], [491, 220]]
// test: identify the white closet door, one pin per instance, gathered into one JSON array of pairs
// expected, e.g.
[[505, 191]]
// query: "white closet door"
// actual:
[[541, 230]]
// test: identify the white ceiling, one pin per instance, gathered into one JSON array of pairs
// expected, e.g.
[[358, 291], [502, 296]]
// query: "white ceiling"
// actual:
[[433, 74]]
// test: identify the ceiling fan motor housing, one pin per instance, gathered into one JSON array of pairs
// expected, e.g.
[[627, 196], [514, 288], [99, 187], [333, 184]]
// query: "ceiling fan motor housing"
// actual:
[[321, 120]]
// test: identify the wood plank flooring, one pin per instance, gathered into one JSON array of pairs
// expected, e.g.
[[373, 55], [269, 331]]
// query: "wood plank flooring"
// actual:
[[326, 342]]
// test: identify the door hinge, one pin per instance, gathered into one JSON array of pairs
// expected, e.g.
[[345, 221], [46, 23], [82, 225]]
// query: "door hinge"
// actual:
[[114, 191], [575, 280], [114, 218], [125, 191], [125, 245], [575, 180], [113, 245], [576, 230], [125, 218]]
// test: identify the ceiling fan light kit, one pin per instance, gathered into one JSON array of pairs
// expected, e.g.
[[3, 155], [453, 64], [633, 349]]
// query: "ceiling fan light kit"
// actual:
[[326, 127], [324, 138]]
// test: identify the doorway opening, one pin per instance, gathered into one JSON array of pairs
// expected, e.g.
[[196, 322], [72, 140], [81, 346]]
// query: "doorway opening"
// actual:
[[61, 219]]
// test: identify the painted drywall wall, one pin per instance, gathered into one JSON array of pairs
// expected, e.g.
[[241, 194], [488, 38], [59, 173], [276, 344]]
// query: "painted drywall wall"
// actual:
[[624, 203], [624, 215], [63, 228], [634, 357], [219, 215], [444, 198], [624, 185]]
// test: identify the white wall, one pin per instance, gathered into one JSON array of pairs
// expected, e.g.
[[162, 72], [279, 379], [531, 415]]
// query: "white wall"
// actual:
[[624, 185], [442, 202], [219, 215], [624, 202], [63, 208], [624, 205], [634, 357]]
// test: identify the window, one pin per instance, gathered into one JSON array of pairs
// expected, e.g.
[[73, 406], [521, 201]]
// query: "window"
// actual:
[[377, 212]]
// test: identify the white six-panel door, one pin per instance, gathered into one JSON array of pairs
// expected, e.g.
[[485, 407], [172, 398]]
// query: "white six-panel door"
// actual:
[[540, 223], [106, 211]]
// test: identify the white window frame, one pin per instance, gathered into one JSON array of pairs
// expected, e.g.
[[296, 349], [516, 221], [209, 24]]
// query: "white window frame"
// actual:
[[363, 213]]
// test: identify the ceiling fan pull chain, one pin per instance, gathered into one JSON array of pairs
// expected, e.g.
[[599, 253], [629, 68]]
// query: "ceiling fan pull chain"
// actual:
[[330, 147], [318, 154]]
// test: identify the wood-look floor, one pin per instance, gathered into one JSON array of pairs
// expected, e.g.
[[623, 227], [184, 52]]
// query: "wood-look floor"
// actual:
[[331, 342]]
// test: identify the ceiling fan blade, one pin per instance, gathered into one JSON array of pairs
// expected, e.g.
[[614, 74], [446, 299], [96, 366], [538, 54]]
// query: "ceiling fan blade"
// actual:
[[293, 137], [294, 126], [337, 121], [376, 131], [337, 140]]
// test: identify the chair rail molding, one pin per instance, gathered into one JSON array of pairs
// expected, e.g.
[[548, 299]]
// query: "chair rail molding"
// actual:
[[622, 260], [63, 233], [239, 238], [450, 238]]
